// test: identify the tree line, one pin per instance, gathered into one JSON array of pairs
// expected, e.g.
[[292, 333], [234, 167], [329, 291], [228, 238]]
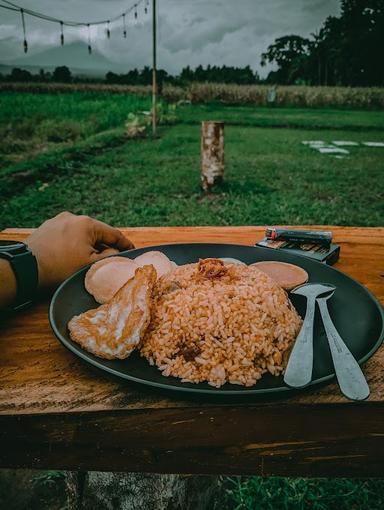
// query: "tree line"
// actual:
[[346, 50], [214, 74], [217, 74], [61, 74]]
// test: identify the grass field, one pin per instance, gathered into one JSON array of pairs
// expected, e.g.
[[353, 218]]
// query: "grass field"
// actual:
[[36, 123], [270, 178], [276, 493]]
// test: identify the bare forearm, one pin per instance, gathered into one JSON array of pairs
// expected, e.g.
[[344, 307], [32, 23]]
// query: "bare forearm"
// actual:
[[61, 246], [7, 284]]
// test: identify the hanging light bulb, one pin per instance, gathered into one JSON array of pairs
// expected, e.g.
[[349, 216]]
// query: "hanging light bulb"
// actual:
[[108, 30], [89, 40], [61, 34], [24, 31], [124, 27], [146, 6], [135, 12]]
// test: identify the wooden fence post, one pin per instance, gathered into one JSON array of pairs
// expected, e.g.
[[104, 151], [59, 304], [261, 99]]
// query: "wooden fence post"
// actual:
[[212, 154]]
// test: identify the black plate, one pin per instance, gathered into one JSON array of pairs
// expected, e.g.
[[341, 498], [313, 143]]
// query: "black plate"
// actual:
[[357, 315]]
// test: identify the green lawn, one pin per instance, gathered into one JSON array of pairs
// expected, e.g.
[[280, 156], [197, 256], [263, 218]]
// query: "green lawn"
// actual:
[[275, 493], [270, 178], [317, 118]]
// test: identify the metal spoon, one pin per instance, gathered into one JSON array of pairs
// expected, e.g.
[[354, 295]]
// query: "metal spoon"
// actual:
[[349, 375], [300, 364]]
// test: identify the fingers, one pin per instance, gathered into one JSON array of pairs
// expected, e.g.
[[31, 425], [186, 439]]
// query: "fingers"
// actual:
[[105, 253], [111, 236]]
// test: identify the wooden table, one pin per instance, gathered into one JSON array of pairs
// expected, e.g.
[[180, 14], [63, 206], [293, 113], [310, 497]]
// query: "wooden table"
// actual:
[[57, 412]]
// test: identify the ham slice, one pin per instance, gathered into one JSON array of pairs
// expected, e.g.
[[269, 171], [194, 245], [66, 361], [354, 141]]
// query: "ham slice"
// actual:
[[107, 276], [160, 262], [115, 329], [230, 260], [286, 275]]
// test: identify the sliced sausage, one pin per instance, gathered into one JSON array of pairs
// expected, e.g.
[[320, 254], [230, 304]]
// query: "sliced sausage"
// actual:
[[160, 262], [286, 275], [107, 276]]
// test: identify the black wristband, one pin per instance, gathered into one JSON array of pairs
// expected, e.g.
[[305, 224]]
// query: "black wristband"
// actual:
[[24, 266]]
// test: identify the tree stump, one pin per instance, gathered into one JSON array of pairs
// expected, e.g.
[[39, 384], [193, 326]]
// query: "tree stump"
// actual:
[[212, 154], [138, 491]]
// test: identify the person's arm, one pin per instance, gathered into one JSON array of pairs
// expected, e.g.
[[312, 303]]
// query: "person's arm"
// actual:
[[62, 245]]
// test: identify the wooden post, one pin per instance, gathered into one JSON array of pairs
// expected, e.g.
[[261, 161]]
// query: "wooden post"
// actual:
[[212, 154], [154, 82]]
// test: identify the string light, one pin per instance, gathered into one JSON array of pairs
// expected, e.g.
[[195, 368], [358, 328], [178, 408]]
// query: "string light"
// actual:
[[89, 39], [61, 33], [24, 31], [11, 6], [67, 23], [124, 27]]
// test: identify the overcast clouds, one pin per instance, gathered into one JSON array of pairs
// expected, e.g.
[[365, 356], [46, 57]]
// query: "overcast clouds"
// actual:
[[190, 31]]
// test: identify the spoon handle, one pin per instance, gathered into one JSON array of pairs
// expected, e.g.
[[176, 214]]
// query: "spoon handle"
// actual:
[[300, 364], [348, 372]]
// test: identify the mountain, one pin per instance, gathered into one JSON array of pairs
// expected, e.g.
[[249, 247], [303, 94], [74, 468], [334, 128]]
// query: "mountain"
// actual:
[[74, 55]]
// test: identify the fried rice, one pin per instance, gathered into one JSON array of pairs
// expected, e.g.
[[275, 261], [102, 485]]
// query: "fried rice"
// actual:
[[220, 323]]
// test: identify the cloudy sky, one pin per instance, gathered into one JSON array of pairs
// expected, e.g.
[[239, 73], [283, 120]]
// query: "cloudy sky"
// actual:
[[190, 32]]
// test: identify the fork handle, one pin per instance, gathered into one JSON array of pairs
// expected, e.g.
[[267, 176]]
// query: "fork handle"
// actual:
[[348, 372], [300, 364]]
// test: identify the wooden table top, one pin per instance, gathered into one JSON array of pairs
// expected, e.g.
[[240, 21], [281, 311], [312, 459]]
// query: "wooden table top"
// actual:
[[57, 412]]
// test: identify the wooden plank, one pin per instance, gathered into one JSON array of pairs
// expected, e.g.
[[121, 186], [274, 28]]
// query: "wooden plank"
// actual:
[[264, 439], [55, 411]]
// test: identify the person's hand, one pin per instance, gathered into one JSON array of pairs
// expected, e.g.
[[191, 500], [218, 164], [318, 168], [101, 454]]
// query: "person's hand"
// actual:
[[67, 242]]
